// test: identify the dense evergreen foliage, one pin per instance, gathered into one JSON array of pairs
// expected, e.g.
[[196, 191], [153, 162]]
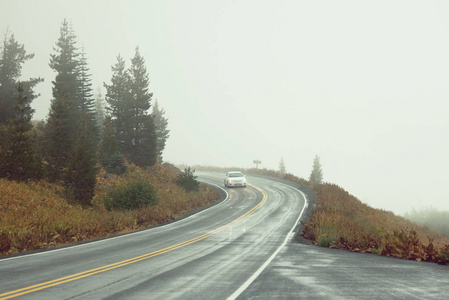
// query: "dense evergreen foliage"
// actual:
[[110, 155], [64, 114], [12, 57], [80, 176], [129, 103], [19, 156], [85, 94], [80, 130], [71, 133]]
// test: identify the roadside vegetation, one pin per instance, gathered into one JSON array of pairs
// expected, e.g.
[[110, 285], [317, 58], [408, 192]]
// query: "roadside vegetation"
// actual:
[[94, 167], [340, 220], [37, 215]]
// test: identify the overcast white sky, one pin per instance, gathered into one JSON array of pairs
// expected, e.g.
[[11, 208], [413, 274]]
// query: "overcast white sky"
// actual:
[[362, 84]]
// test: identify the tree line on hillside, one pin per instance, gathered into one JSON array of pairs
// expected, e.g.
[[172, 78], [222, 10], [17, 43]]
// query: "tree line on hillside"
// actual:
[[80, 130]]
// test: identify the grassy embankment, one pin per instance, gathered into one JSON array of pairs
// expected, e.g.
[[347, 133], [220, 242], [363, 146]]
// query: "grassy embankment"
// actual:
[[36, 215], [340, 220]]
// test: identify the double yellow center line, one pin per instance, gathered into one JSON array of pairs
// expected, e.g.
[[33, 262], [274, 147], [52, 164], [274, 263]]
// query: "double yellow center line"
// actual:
[[48, 284]]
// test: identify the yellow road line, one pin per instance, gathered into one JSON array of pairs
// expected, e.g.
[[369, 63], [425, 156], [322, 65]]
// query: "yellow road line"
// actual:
[[48, 284]]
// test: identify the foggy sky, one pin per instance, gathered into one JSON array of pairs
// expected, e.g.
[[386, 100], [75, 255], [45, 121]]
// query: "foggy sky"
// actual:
[[362, 84]]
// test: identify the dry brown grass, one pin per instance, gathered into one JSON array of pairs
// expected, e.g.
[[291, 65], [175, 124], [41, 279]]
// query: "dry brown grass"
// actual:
[[342, 221], [36, 215]]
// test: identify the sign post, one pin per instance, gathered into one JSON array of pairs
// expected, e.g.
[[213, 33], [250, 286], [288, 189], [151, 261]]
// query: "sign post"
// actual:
[[257, 162]]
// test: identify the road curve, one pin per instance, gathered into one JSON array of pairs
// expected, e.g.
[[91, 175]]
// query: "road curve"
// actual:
[[216, 253]]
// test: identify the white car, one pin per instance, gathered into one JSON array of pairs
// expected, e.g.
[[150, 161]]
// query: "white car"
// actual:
[[235, 178]]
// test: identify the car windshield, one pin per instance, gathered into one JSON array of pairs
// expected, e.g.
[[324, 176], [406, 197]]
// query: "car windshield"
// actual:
[[235, 175]]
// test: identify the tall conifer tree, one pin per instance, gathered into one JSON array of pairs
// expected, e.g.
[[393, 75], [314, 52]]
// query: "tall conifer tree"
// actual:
[[66, 65], [19, 157], [129, 103], [71, 126], [64, 112], [118, 98], [316, 176], [143, 134], [12, 57], [85, 94]]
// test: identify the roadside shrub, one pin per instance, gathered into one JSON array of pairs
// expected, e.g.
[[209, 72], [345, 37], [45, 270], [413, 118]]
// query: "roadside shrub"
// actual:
[[443, 255], [135, 194], [325, 241], [188, 181]]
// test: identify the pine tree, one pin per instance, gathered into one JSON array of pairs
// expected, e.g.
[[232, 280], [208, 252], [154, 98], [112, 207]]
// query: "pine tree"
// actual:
[[85, 94], [64, 114], [282, 166], [58, 138], [12, 57], [162, 133], [316, 176], [141, 146], [129, 102], [66, 65], [19, 157], [118, 98]]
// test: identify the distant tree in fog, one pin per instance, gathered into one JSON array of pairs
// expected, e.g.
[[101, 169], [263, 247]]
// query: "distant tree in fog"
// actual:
[[162, 133], [316, 176], [282, 166], [99, 110]]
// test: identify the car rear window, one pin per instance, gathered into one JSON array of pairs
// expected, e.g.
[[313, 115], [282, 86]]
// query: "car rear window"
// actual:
[[235, 175]]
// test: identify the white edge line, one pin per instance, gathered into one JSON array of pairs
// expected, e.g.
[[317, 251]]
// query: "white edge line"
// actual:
[[250, 280], [107, 239]]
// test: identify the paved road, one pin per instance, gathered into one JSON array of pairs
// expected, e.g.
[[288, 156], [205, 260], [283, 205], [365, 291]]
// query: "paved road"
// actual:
[[230, 251], [311, 272], [212, 254]]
